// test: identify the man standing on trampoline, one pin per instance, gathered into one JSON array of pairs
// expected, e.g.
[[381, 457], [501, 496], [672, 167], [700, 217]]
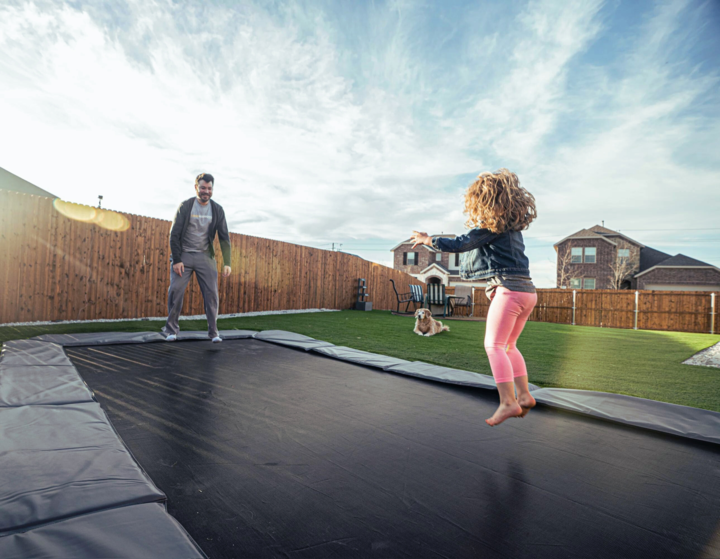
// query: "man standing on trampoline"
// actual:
[[191, 242]]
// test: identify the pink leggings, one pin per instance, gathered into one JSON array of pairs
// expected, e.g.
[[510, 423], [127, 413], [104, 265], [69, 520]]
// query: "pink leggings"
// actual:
[[509, 310]]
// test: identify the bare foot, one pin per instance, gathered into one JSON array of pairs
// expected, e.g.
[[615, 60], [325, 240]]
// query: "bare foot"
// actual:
[[527, 402], [503, 412]]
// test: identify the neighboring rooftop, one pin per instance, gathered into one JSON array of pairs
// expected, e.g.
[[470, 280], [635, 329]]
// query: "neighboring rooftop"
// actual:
[[649, 257], [9, 181]]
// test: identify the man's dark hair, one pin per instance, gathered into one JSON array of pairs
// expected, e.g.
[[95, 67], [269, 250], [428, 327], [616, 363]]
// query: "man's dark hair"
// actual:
[[207, 177]]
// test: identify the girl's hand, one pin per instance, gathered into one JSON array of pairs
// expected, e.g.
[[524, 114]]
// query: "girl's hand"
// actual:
[[421, 239]]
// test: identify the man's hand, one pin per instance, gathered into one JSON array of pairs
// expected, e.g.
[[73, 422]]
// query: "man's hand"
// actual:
[[421, 239], [226, 271], [179, 268]]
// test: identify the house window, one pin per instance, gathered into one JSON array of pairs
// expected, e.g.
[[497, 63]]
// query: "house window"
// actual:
[[623, 253], [589, 283], [438, 257], [575, 283], [576, 255], [457, 259], [590, 257], [410, 258]]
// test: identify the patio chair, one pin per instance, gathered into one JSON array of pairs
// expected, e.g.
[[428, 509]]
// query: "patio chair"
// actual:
[[436, 296], [410, 297], [463, 299]]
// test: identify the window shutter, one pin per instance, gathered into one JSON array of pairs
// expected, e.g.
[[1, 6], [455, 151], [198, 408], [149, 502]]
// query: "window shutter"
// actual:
[[417, 258], [404, 258]]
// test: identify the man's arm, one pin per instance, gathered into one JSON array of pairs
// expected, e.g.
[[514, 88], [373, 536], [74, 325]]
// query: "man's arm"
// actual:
[[176, 234], [224, 237]]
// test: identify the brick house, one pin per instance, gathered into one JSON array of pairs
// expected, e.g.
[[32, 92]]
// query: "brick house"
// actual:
[[600, 258], [430, 265]]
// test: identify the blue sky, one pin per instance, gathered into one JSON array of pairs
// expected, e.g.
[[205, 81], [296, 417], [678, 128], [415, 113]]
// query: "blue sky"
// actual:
[[356, 122]]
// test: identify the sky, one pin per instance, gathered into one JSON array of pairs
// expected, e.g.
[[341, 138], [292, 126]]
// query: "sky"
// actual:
[[351, 123]]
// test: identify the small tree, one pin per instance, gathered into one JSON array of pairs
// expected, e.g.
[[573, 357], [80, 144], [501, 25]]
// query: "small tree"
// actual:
[[564, 269], [621, 269]]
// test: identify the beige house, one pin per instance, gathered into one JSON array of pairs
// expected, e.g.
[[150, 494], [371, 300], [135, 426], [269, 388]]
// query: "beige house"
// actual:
[[600, 258]]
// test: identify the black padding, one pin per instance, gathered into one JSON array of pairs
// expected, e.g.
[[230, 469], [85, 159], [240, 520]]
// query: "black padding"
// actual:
[[237, 334], [101, 338], [361, 357], [684, 421], [291, 339], [32, 352], [135, 532], [192, 335], [444, 374], [36, 384], [62, 461], [269, 452]]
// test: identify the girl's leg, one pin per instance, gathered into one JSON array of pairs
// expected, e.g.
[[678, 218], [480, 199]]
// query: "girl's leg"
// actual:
[[524, 398], [501, 319]]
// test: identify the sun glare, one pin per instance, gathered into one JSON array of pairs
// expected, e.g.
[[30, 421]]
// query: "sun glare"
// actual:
[[106, 219]]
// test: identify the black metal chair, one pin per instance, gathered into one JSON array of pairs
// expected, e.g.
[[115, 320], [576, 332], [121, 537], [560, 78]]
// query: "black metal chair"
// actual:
[[463, 299], [410, 297], [436, 296]]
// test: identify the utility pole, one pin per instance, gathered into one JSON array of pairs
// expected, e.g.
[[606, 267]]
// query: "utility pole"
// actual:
[[100, 201]]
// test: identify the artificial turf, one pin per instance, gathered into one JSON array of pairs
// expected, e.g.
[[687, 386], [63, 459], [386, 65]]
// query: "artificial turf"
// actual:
[[642, 363]]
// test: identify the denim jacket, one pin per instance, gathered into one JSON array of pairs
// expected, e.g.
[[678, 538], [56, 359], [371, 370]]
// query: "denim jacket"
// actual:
[[487, 254]]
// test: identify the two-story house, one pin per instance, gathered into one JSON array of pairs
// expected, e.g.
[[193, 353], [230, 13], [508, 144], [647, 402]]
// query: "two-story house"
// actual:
[[430, 265], [600, 258]]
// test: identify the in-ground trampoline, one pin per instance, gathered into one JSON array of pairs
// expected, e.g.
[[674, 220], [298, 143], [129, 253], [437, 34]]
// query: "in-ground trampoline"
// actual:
[[298, 448]]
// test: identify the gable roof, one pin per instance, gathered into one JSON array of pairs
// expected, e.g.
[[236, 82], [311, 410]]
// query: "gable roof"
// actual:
[[437, 265], [585, 234], [600, 229], [605, 232], [650, 257], [8, 181], [431, 249], [679, 261], [598, 232]]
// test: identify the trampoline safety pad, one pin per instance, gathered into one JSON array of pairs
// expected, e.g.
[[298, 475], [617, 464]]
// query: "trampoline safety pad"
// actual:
[[260, 450]]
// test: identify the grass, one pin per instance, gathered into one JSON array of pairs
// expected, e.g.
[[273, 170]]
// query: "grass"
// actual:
[[647, 364]]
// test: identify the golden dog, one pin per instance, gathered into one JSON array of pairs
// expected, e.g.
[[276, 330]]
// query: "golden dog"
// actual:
[[426, 325]]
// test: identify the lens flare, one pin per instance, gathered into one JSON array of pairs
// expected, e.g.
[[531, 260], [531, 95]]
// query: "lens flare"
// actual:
[[106, 219]]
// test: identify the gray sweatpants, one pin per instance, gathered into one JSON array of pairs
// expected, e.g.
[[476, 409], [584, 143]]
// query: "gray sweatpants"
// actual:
[[205, 270]]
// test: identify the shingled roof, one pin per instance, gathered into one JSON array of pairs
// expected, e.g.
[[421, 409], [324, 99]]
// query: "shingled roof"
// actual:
[[585, 234], [650, 257], [677, 261]]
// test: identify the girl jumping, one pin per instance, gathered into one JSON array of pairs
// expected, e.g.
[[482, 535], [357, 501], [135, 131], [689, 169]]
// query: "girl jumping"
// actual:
[[498, 208]]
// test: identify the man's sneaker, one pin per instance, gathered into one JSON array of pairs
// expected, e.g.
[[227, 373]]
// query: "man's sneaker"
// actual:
[[171, 338], [217, 340]]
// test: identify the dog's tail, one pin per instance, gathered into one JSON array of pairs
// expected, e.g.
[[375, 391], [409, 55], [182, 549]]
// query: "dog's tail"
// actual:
[[445, 328]]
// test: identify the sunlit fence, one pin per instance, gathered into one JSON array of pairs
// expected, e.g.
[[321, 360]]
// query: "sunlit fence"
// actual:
[[680, 311], [68, 262]]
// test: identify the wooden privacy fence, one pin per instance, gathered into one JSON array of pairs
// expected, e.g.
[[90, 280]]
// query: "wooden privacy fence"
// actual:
[[679, 311], [56, 268]]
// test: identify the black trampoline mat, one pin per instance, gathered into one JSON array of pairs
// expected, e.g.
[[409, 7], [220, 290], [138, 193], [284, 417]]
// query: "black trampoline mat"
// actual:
[[266, 451]]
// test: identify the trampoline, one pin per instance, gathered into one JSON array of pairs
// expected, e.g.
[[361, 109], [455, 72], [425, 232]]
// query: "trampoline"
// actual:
[[272, 450]]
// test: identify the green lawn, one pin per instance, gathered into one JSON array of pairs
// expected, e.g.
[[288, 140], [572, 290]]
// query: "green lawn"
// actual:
[[638, 363]]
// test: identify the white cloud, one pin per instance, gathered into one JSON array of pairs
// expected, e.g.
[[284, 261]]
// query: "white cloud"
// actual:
[[322, 129]]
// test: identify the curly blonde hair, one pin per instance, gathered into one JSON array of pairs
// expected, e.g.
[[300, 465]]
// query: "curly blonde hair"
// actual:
[[497, 202]]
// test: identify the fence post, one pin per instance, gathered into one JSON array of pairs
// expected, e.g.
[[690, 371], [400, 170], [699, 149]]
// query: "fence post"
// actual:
[[574, 295], [712, 313], [637, 297]]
